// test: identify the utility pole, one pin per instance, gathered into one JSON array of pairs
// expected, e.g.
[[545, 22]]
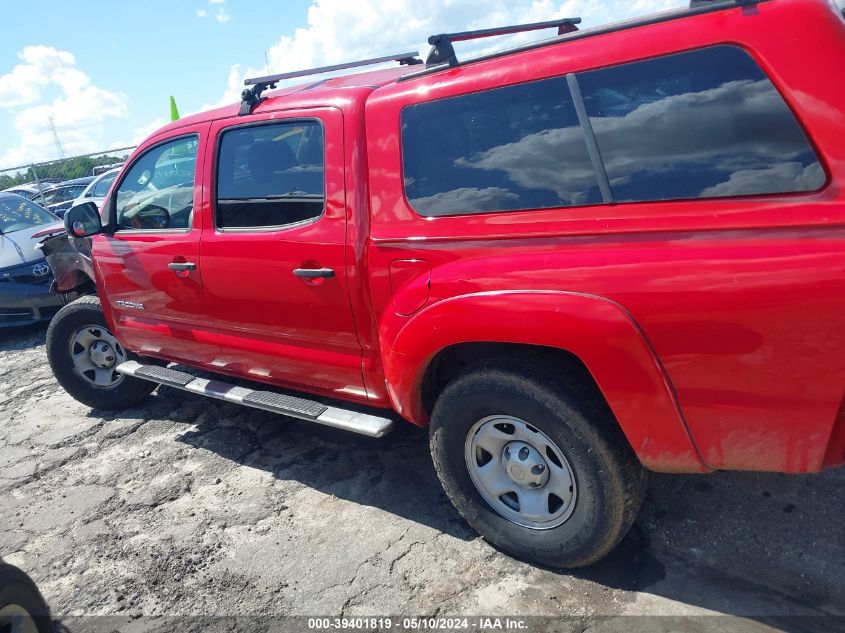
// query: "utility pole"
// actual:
[[56, 138], [38, 184]]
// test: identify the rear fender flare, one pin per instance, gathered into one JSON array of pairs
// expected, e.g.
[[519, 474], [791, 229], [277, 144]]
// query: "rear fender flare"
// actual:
[[600, 332]]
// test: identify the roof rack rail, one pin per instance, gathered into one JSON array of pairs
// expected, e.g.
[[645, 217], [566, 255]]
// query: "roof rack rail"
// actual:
[[693, 4], [694, 8], [442, 51], [251, 97]]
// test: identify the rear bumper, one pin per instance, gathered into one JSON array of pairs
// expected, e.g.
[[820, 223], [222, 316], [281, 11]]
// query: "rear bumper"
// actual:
[[25, 304]]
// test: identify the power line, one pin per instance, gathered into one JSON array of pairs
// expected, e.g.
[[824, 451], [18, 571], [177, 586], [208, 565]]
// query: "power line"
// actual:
[[47, 162]]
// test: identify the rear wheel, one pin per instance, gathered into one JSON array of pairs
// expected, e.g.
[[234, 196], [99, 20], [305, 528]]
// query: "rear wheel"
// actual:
[[84, 356], [22, 609], [530, 471]]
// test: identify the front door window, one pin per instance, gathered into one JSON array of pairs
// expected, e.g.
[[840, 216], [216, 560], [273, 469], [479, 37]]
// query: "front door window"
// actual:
[[158, 191]]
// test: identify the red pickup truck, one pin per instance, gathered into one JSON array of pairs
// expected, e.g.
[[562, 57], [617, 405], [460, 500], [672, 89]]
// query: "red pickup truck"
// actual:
[[612, 251]]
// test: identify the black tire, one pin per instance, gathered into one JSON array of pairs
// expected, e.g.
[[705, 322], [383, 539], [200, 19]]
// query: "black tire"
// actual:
[[610, 481], [84, 311], [20, 593]]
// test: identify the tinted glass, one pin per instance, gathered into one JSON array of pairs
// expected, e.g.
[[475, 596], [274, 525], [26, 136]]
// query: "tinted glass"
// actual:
[[17, 214], [695, 125], [70, 193], [270, 175], [512, 148], [100, 189], [29, 195], [52, 196], [63, 194], [158, 190]]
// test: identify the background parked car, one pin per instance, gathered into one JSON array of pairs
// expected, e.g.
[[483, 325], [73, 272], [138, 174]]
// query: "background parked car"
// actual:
[[101, 169], [25, 277], [59, 198], [28, 190], [98, 188]]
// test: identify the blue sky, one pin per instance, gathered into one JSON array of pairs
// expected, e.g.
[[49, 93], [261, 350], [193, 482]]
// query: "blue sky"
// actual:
[[151, 49], [143, 51], [104, 70]]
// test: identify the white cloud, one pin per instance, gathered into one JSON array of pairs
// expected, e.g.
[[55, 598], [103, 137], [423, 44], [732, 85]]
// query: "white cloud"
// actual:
[[41, 65], [48, 85], [234, 86], [485, 199], [339, 30], [669, 132], [526, 163], [221, 16], [786, 176], [141, 133]]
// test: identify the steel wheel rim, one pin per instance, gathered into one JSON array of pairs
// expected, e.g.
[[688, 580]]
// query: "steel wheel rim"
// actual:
[[521, 473], [95, 354], [17, 618]]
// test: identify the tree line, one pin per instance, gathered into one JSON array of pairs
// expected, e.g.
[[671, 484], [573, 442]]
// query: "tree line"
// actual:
[[61, 170]]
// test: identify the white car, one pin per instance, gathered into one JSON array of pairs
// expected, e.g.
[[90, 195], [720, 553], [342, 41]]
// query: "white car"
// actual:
[[97, 189], [28, 191]]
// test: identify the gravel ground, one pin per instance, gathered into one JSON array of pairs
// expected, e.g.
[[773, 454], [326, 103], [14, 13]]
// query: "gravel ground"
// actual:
[[189, 506]]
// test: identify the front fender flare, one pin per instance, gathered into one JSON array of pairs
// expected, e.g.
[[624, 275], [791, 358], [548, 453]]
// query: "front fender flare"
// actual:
[[600, 332]]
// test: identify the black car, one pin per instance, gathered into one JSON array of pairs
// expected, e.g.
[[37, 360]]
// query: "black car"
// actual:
[[25, 277], [58, 198]]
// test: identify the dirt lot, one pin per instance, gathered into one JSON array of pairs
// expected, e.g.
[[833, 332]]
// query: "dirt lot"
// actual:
[[190, 506]]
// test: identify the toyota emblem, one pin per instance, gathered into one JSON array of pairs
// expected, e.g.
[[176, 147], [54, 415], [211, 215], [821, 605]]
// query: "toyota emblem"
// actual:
[[39, 270]]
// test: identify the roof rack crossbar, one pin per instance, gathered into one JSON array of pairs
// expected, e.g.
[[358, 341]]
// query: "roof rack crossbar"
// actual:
[[442, 51], [699, 7], [251, 97]]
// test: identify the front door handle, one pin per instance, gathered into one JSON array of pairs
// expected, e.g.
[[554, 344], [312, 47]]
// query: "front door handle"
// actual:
[[313, 273], [180, 266]]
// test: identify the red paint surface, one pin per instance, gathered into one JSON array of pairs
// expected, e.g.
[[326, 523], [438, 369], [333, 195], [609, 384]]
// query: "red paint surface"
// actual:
[[274, 326], [131, 266], [410, 280], [715, 328]]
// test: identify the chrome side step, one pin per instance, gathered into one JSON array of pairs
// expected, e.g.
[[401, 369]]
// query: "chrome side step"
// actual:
[[274, 402]]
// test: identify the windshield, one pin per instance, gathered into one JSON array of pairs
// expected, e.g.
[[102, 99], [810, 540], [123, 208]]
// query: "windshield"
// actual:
[[18, 214]]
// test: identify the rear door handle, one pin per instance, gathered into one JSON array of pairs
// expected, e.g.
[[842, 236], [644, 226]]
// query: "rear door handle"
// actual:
[[313, 273], [179, 266]]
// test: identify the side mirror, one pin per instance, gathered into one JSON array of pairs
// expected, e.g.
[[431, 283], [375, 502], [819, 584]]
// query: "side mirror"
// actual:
[[83, 220]]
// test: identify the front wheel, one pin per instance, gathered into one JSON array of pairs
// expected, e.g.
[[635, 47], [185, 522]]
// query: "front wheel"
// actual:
[[84, 356], [530, 471]]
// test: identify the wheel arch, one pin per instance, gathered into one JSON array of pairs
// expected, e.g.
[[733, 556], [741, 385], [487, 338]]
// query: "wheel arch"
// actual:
[[455, 360], [587, 338]]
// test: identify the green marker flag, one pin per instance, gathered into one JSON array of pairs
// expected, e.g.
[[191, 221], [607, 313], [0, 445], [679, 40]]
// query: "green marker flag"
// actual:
[[174, 112]]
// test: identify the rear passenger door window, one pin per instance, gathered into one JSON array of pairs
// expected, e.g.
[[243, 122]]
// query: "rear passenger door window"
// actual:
[[699, 124], [506, 149], [158, 191], [270, 176]]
